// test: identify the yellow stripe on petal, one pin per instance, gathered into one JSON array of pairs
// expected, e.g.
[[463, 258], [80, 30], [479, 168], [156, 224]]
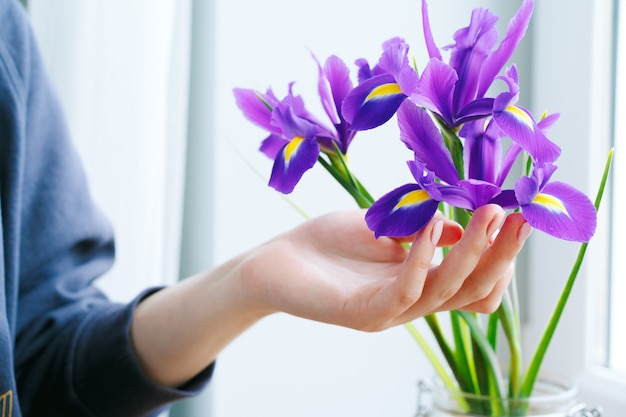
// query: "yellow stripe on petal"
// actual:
[[413, 198], [550, 202], [292, 147], [521, 115], [384, 90]]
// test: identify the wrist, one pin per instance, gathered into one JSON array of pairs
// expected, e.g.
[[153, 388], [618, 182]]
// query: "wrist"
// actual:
[[178, 331]]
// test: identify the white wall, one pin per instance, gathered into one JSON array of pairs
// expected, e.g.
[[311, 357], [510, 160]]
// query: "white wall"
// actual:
[[286, 366]]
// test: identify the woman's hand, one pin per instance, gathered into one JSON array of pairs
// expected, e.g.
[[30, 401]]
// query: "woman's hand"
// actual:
[[332, 269]]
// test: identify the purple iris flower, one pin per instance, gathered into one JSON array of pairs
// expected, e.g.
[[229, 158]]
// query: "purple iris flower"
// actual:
[[555, 208], [410, 207], [257, 107], [483, 151], [334, 84], [519, 123], [296, 136], [406, 209], [456, 91], [382, 89]]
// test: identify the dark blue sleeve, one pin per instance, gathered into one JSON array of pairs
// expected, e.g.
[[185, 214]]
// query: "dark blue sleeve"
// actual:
[[73, 354]]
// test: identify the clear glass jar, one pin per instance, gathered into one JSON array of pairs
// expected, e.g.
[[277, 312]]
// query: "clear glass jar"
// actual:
[[552, 397]]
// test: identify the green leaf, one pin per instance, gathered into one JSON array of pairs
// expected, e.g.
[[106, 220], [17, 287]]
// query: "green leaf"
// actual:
[[542, 348]]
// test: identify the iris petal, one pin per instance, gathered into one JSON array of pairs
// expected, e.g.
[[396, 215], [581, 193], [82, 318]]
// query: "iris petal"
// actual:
[[292, 124], [395, 61], [548, 121], [481, 192], [401, 212], [364, 72], [519, 125], [295, 158], [254, 109], [561, 211], [476, 109], [325, 91], [394, 57], [436, 88], [420, 134], [498, 58], [506, 199], [457, 196], [473, 45], [373, 102], [384, 90], [482, 150], [272, 145], [334, 84], [433, 51]]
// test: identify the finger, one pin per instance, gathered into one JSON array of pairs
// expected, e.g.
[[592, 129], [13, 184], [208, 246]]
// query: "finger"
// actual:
[[509, 241], [451, 234], [494, 269], [448, 278], [407, 288], [491, 303]]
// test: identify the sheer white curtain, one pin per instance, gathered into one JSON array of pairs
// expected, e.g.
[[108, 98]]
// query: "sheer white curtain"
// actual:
[[121, 69]]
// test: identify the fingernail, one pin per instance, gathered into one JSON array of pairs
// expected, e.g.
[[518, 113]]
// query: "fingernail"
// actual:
[[435, 234], [494, 236], [495, 224], [523, 232]]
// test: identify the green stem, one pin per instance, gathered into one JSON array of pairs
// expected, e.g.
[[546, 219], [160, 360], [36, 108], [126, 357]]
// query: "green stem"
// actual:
[[440, 369], [347, 180], [454, 145], [490, 359], [461, 216], [463, 352], [479, 367], [464, 382], [490, 363], [492, 330], [542, 348], [435, 328], [511, 327]]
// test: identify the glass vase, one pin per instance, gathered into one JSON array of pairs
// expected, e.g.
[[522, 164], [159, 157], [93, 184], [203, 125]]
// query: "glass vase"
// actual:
[[552, 397]]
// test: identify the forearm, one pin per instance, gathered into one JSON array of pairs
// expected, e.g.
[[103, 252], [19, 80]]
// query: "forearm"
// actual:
[[179, 331]]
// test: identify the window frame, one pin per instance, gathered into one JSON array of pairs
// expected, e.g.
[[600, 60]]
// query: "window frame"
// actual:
[[617, 265], [590, 69]]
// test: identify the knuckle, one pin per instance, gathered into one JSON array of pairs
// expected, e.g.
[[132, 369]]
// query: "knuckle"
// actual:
[[488, 305], [405, 299], [448, 292], [481, 293], [474, 246]]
